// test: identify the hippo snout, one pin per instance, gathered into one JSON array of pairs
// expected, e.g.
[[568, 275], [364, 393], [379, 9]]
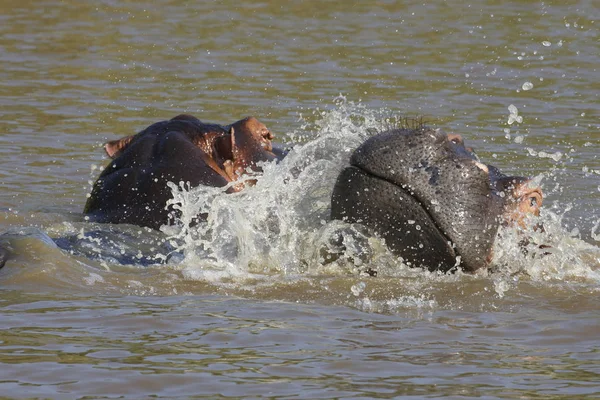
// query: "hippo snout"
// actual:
[[432, 200], [523, 197]]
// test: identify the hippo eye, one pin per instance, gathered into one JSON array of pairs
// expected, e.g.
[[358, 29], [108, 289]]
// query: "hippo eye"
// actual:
[[533, 201]]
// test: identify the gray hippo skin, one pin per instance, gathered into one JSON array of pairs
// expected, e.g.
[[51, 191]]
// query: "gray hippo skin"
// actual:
[[3, 256], [430, 198]]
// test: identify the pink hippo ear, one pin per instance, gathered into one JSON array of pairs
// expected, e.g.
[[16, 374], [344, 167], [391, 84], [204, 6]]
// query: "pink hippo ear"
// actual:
[[115, 147]]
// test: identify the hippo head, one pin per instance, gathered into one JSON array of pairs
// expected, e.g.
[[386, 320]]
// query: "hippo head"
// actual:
[[430, 198], [133, 187]]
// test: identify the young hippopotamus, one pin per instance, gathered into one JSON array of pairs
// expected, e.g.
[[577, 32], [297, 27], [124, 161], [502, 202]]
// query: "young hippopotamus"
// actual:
[[430, 198], [133, 187]]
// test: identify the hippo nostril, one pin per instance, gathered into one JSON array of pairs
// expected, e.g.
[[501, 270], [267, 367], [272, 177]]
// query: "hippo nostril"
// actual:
[[266, 134], [533, 202]]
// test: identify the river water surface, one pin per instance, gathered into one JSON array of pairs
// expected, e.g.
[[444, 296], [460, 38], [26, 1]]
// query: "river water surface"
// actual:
[[245, 305]]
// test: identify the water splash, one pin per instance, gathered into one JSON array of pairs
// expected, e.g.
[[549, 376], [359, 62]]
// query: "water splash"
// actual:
[[279, 228], [278, 225], [544, 255], [514, 115]]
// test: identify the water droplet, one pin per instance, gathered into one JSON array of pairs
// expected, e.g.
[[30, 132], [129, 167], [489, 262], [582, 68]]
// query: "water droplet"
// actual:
[[527, 86], [358, 288], [574, 232], [519, 139]]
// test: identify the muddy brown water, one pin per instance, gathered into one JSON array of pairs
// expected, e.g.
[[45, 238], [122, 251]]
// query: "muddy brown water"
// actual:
[[246, 308]]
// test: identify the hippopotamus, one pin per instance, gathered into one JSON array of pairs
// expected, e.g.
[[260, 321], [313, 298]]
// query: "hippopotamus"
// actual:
[[421, 190], [432, 200], [133, 187]]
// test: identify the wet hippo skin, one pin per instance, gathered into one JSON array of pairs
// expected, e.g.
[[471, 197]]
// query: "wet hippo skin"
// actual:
[[430, 198], [133, 187], [3, 256]]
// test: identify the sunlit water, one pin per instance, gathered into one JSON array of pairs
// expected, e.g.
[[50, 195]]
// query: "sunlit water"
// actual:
[[261, 301]]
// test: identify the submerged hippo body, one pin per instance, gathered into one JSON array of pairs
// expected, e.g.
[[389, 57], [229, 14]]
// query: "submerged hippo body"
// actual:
[[133, 187], [430, 198]]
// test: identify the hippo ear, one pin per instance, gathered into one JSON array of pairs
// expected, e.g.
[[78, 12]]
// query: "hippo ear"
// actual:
[[114, 148]]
